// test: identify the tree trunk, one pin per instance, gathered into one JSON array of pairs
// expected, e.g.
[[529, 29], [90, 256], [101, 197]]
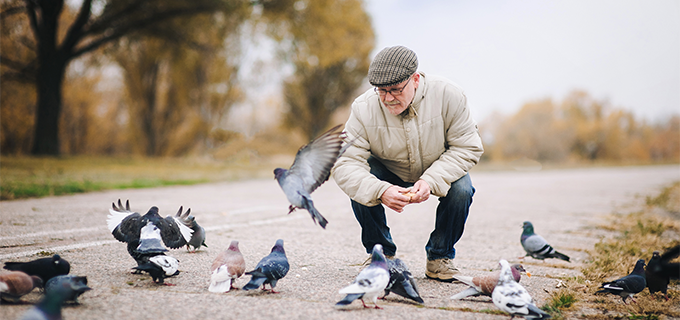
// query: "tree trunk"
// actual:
[[49, 85]]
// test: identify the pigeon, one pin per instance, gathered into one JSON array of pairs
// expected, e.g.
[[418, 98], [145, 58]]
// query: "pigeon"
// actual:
[[484, 285], [227, 267], [370, 282], [49, 307], [78, 286], [145, 235], [15, 284], [629, 285], [160, 267], [660, 270], [511, 297], [270, 269], [401, 281], [311, 168], [198, 236], [45, 268], [536, 246]]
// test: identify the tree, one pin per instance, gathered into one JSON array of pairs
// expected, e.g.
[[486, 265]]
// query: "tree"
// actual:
[[87, 32], [328, 42]]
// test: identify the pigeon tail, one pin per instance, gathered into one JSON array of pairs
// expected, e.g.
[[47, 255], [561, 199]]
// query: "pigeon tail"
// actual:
[[469, 292], [316, 215], [254, 283], [406, 290], [560, 255], [348, 299], [536, 313], [220, 286]]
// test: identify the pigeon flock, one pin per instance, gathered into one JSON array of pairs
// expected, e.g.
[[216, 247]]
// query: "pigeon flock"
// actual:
[[149, 237]]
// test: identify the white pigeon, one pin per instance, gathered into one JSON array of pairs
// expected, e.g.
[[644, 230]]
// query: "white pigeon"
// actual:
[[227, 267], [512, 298], [371, 281]]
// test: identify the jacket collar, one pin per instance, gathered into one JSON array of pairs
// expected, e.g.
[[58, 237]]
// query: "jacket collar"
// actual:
[[412, 110]]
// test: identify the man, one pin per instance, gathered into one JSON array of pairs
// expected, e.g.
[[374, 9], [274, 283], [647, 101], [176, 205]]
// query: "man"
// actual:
[[414, 137]]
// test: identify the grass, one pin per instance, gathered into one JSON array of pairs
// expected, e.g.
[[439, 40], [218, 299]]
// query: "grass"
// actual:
[[30, 177], [629, 237]]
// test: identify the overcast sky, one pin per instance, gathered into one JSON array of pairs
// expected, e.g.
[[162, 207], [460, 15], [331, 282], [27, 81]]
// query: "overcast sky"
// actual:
[[504, 53]]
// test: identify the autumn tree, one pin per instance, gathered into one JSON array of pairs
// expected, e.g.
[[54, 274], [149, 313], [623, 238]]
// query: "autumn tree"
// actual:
[[328, 42], [92, 28]]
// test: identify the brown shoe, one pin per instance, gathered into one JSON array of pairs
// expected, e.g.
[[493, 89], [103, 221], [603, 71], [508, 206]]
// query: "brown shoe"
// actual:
[[441, 270]]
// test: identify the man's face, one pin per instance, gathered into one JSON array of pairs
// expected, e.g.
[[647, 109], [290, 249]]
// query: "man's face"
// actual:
[[397, 98]]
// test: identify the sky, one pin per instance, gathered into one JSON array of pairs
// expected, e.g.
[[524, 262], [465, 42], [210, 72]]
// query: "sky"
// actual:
[[506, 53]]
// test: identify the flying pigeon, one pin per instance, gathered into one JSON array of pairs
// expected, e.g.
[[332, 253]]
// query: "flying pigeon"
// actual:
[[49, 307], [160, 267], [512, 298], [198, 235], [15, 284], [311, 168], [629, 285], [45, 268], [78, 285], [401, 281], [370, 282], [145, 235], [536, 246], [227, 267], [660, 270], [484, 285], [270, 269]]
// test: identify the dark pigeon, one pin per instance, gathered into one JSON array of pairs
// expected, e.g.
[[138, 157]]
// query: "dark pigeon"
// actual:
[[198, 236], [160, 267], [146, 235], [401, 281], [45, 268], [78, 286], [311, 168], [536, 247], [49, 307], [370, 282], [15, 284], [629, 285], [270, 269], [660, 270]]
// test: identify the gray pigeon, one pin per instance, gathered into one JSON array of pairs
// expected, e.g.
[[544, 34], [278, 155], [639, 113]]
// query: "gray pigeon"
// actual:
[[226, 268], [484, 284], [511, 297], [311, 168], [629, 285], [198, 236], [371, 281], [78, 286], [536, 247], [45, 268], [15, 284], [270, 269], [401, 281], [49, 307], [146, 236]]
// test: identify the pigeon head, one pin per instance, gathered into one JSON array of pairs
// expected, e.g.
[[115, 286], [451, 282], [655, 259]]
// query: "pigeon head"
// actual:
[[61, 264], [517, 270], [233, 246], [37, 282], [377, 256], [528, 228], [278, 247], [279, 173], [639, 268]]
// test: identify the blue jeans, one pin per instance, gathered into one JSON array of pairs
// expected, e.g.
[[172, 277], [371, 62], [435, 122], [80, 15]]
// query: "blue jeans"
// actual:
[[452, 213]]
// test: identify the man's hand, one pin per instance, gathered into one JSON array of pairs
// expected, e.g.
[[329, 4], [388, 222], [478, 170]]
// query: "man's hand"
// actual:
[[420, 191], [394, 198]]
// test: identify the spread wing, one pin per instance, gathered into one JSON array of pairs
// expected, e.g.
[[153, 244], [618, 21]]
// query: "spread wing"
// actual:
[[314, 161], [174, 233], [123, 223]]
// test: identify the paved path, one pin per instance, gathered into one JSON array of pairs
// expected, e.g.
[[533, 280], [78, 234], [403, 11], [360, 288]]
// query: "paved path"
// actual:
[[564, 205]]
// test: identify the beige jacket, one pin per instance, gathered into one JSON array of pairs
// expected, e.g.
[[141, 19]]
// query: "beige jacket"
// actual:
[[435, 139]]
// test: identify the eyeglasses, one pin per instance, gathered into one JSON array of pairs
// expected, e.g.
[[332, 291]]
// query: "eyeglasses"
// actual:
[[393, 92]]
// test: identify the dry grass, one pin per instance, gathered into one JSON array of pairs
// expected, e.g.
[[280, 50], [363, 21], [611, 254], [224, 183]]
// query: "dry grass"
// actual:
[[631, 237]]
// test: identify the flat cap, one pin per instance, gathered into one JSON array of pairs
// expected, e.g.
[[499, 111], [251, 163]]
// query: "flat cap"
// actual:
[[391, 66]]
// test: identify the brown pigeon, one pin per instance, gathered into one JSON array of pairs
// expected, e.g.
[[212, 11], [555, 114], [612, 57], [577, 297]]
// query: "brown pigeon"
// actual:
[[227, 267], [15, 284], [484, 285]]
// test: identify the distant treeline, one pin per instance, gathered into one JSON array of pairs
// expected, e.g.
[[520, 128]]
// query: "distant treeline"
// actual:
[[579, 129]]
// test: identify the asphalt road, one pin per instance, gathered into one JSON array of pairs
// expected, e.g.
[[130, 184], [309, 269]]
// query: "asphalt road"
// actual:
[[564, 206]]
